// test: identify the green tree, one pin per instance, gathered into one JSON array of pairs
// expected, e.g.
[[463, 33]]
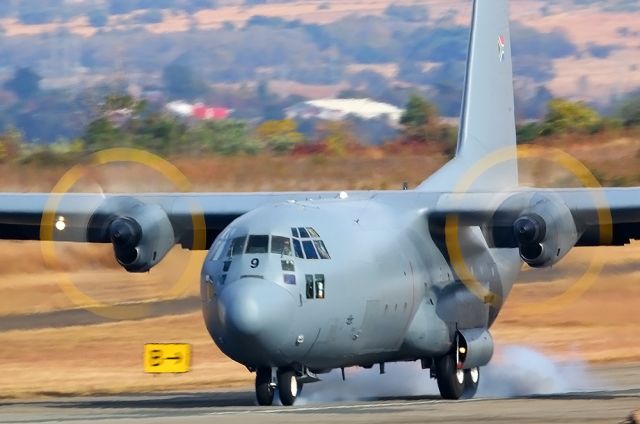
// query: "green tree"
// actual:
[[114, 102], [224, 137], [25, 83], [118, 122], [565, 116], [630, 111], [102, 133], [420, 120], [159, 133]]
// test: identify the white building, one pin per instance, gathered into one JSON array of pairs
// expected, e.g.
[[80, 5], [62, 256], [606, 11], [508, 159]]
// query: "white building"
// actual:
[[339, 109]]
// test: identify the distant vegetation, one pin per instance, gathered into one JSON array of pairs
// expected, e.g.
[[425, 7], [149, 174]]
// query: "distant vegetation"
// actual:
[[123, 121]]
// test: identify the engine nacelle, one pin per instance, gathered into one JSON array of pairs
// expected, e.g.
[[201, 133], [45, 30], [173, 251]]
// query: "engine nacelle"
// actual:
[[541, 226], [141, 234]]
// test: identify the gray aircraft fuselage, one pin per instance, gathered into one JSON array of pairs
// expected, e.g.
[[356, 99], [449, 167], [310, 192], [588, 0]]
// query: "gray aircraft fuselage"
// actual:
[[387, 293]]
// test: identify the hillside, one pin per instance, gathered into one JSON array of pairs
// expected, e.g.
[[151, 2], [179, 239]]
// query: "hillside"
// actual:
[[606, 36]]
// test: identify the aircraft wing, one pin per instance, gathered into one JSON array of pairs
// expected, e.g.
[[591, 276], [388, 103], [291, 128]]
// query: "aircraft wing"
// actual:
[[83, 217], [603, 216]]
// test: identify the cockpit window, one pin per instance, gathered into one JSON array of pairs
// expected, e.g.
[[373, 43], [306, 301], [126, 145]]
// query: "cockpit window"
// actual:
[[281, 245], [298, 248], [314, 248], [309, 250], [237, 246], [322, 249], [220, 246], [258, 244]]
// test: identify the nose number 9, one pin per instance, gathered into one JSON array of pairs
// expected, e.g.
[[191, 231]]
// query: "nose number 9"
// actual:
[[255, 263]]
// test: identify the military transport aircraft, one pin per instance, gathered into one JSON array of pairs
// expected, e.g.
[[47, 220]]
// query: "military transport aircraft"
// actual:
[[298, 284]]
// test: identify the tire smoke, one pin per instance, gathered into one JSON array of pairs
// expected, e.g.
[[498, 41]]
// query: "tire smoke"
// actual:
[[523, 371], [515, 371]]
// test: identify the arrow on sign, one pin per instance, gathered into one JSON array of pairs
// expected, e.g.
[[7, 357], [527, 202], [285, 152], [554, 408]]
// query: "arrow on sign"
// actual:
[[177, 358]]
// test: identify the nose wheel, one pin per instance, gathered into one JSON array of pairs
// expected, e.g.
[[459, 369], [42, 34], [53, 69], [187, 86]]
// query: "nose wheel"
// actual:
[[288, 386], [264, 387], [286, 382]]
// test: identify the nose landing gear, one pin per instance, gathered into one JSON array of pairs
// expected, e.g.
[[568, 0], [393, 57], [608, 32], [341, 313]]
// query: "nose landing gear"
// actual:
[[264, 387], [286, 381]]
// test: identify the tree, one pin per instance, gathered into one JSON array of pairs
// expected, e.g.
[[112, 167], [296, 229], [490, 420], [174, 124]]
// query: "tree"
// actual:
[[101, 134], [114, 102], [224, 137], [565, 116], [337, 137], [420, 120], [25, 83], [630, 111], [10, 144], [279, 135]]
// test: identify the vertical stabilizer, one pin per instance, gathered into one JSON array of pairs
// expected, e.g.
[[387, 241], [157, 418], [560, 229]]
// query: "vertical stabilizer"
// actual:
[[487, 137]]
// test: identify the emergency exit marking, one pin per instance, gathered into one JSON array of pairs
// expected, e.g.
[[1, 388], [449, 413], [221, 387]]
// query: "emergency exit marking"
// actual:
[[174, 358]]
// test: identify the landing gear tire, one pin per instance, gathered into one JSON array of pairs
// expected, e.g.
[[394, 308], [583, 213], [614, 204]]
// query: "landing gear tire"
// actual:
[[471, 381], [450, 379], [264, 388], [288, 387]]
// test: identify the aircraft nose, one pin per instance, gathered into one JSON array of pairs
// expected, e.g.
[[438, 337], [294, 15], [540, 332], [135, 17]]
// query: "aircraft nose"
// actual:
[[256, 310], [245, 311]]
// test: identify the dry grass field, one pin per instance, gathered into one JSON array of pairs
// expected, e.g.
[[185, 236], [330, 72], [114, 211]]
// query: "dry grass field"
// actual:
[[599, 325]]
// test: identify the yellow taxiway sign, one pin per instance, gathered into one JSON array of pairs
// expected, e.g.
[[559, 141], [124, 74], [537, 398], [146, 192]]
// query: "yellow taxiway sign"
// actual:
[[171, 358]]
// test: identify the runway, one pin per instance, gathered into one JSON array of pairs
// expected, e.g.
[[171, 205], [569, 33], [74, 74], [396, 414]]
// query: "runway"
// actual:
[[613, 394], [238, 407]]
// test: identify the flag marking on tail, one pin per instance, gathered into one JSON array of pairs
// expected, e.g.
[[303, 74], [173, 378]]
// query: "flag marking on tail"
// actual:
[[501, 47]]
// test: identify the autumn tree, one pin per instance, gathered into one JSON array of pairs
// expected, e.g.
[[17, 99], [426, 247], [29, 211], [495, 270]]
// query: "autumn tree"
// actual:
[[10, 144], [336, 137], [279, 135]]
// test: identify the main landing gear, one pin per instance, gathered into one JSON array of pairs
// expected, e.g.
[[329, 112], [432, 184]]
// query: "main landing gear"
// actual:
[[455, 383], [285, 381]]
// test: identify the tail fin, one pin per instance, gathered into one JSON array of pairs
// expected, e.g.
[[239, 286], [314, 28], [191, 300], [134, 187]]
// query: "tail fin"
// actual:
[[487, 135]]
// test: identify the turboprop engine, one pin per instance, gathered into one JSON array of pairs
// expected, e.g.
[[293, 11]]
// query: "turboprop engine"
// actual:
[[141, 234], [541, 226]]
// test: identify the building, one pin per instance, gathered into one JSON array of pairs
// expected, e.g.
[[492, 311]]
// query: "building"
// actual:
[[339, 109], [198, 111]]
